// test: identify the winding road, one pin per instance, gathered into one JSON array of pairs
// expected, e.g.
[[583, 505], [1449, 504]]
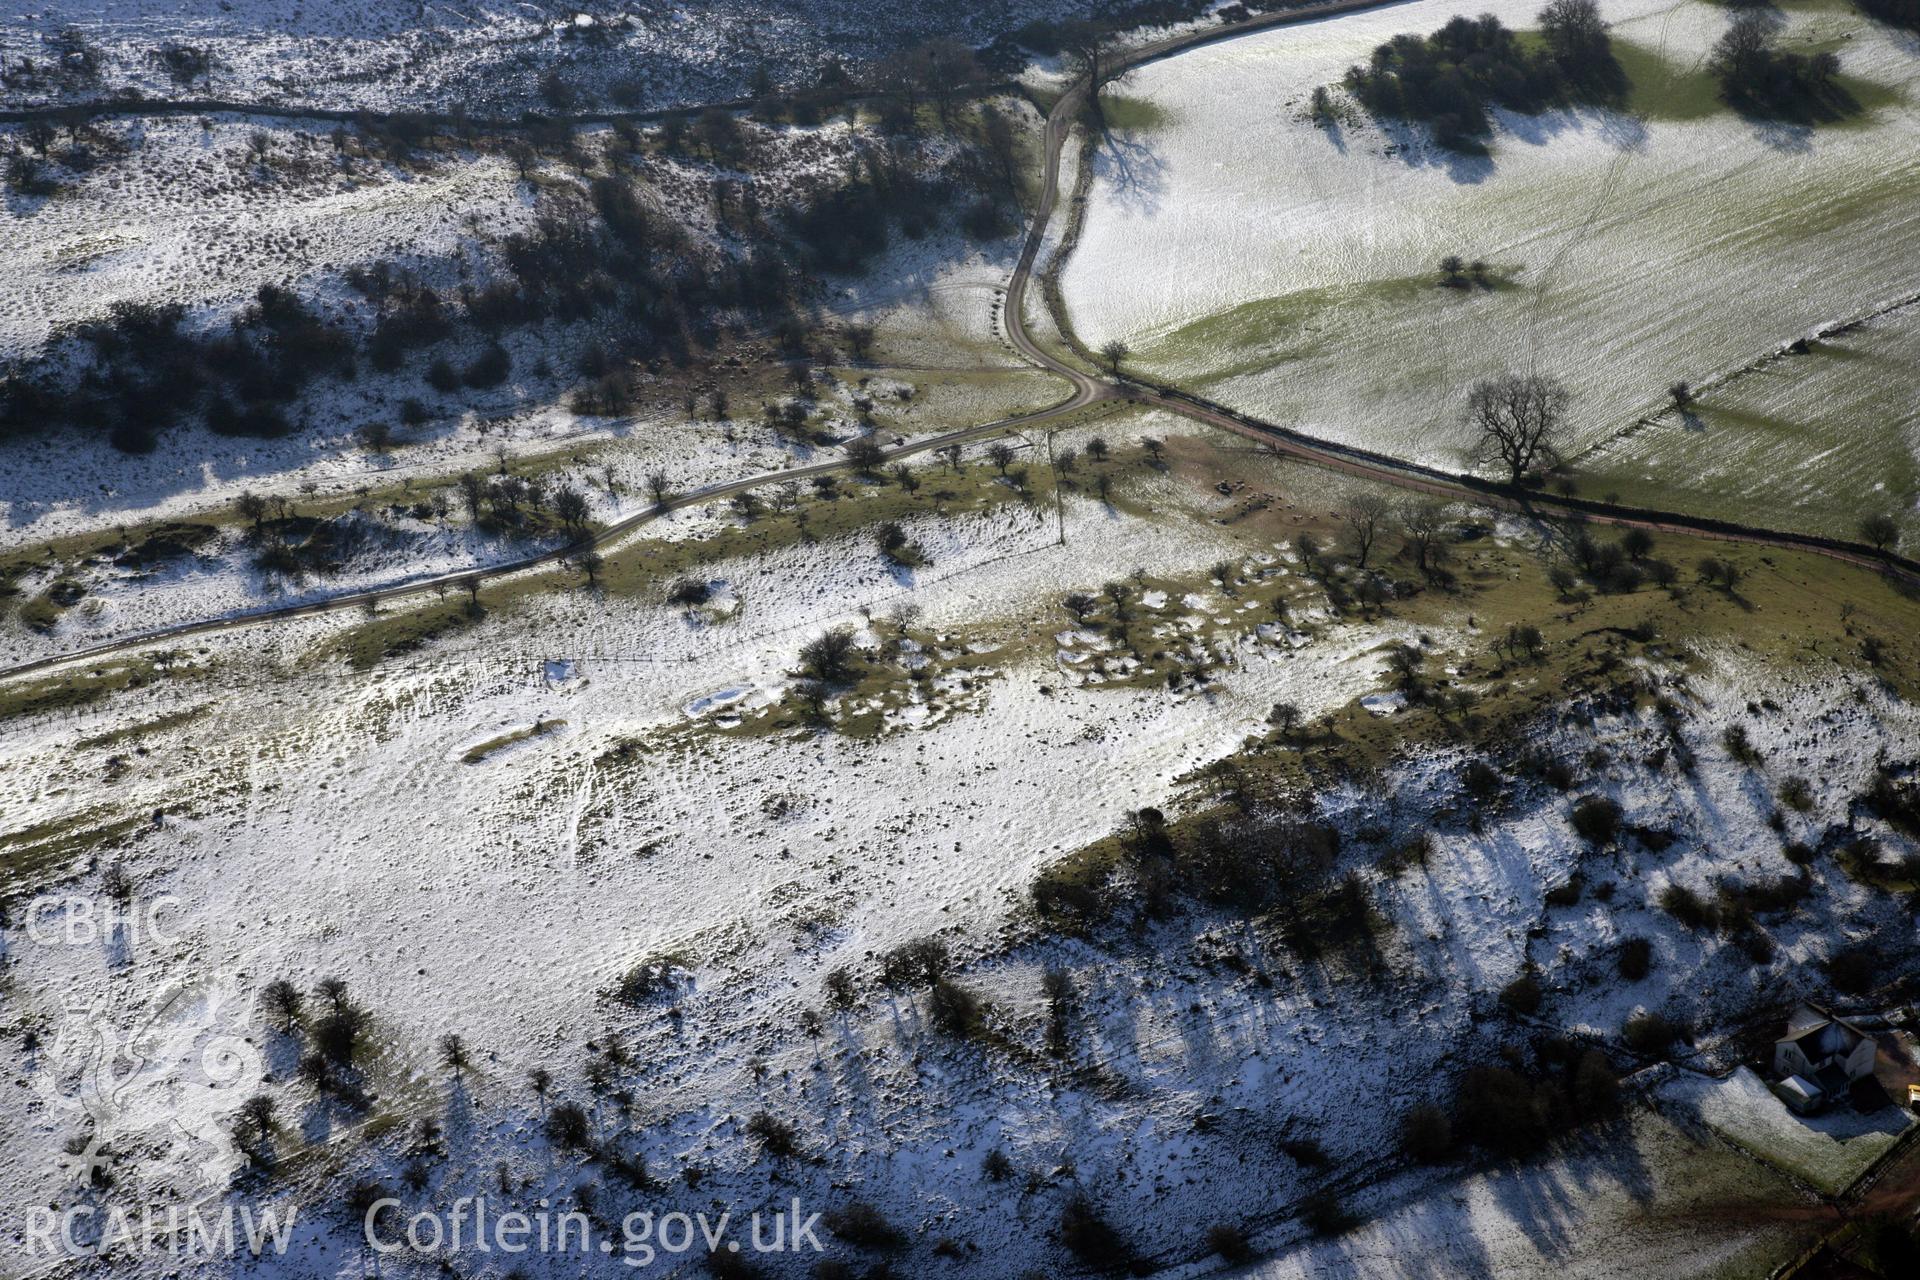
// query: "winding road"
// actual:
[[1087, 388]]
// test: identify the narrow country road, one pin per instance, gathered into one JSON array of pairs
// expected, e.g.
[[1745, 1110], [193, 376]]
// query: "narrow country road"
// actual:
[[609, 534], [1087, 388]]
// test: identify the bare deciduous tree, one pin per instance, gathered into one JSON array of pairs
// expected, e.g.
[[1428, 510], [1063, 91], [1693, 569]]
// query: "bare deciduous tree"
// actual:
[[473, 492], [253, 1127], [1518, 420], [923, 961], [859, 340], [1363, 515], [1425, 526], [1881, 530], [1091, 48], [840, 989], [282, 1001], [252, 508], [453, 1052], [1573, 29]]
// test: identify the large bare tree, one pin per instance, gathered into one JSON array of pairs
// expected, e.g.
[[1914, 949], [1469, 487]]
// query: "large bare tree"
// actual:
[[1093, 49], [1518, 421], [1423, 522], [1363, 515]]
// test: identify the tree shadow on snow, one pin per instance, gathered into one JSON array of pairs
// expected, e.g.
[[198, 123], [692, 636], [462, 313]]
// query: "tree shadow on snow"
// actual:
[[1618, 129], [1413, 146], [1431, 1238], [1335, 135], [1788, 137], [1550, 1202], [1132, 170]]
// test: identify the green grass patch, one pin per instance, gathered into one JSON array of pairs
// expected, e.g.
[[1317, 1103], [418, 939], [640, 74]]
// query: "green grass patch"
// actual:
[[1661, 89], [645, 569], [526, 733], [165, 543], [41, 612], [36, 855], [397, 634], [1133, 115], [1256, 335], [1805, 442], [1872, 99], [133, 733], [48, 694], [1666, 91], [1789, 608]]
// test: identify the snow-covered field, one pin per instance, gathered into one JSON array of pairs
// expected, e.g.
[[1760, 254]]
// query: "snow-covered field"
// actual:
[[1290, 269], [1813, 441], [483, 840], [488, 57]]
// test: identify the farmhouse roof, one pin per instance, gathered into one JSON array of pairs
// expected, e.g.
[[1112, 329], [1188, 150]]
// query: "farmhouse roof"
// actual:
[[1809, 1019]]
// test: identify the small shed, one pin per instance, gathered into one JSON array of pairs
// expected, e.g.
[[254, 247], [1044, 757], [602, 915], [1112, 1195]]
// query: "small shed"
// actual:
[[1800, 1094]]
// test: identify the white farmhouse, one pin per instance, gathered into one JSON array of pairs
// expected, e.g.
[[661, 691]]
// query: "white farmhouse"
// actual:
[[1819, 1058]]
